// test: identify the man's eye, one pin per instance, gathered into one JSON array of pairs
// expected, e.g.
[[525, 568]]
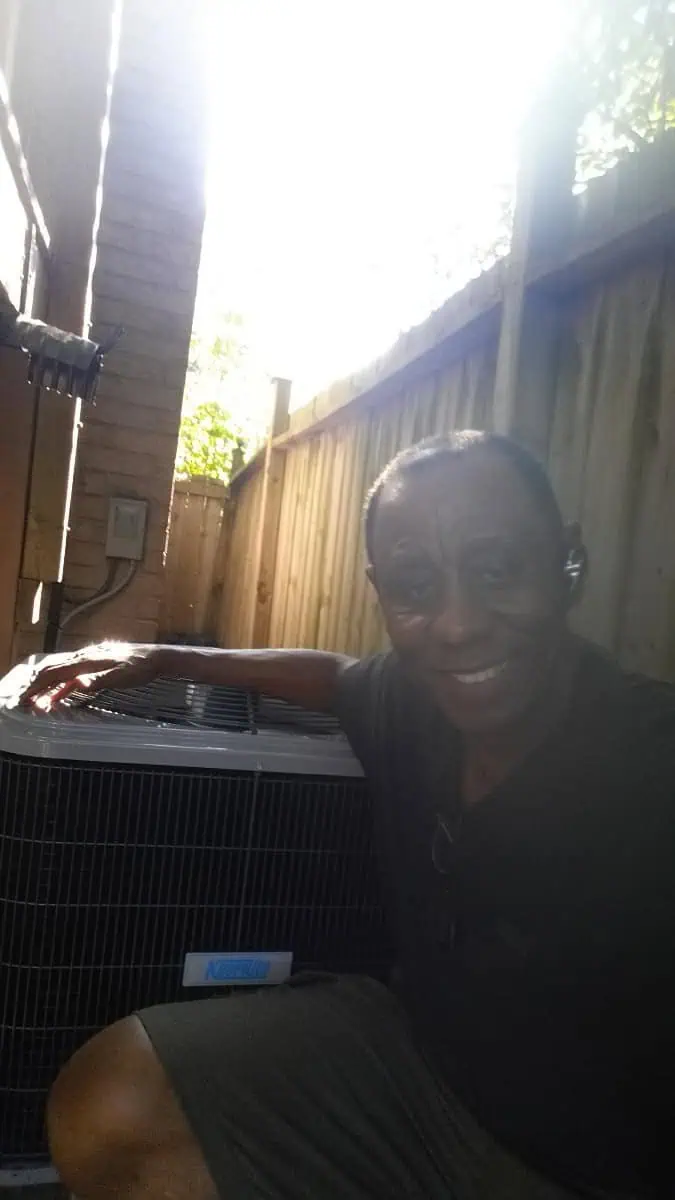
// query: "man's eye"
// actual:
[[498, 572], [415, 592], [422, 591]]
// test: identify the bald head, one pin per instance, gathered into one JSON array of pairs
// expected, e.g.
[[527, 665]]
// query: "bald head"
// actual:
[[443, 451]]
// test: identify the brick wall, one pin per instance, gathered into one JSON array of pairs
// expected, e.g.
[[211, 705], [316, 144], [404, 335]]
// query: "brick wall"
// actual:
[[60, 129], [145, 277]]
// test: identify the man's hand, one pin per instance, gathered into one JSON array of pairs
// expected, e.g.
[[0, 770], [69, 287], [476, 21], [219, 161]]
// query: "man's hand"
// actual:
[[107, 665]]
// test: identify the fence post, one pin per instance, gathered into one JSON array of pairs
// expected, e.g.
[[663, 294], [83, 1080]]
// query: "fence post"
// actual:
[[544, 212], [267, 534]]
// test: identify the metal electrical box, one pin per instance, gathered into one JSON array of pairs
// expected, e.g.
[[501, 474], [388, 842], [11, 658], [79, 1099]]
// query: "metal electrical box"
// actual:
[[127, 520]]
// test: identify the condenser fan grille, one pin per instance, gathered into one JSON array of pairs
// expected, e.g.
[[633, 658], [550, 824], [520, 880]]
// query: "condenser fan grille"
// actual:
[[180, 702]]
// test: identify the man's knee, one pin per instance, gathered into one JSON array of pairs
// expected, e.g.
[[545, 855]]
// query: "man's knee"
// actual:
[[108, 1111]]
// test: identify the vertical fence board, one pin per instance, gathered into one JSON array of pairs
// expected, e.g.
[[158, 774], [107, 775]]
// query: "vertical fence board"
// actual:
[[193, 549]]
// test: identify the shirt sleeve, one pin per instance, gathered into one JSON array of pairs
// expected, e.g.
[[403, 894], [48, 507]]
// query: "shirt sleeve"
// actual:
[[367, 698]]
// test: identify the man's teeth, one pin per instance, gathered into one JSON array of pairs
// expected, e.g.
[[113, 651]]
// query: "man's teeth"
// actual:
[[482, 676]]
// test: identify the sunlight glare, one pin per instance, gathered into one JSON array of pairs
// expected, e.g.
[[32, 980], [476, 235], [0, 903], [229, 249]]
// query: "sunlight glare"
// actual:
[[358, 152]]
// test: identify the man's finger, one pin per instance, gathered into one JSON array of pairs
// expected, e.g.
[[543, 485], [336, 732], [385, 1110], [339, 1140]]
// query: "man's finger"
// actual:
[[119, 676], [64, 674]]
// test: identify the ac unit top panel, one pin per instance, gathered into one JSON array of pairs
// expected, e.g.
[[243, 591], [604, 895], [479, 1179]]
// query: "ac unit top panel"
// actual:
[[175, 723]]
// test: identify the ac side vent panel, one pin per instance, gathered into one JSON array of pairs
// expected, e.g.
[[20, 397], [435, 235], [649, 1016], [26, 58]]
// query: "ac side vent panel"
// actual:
[[129, 841]]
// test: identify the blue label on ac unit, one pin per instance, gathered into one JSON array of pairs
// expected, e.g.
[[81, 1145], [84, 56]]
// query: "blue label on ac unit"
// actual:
[[236, 970]]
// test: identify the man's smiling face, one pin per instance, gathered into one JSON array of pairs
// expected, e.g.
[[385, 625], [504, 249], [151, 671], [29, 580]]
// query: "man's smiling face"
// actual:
[[469, 573]]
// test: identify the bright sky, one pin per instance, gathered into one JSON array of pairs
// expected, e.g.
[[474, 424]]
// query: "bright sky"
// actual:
[[355, 144]]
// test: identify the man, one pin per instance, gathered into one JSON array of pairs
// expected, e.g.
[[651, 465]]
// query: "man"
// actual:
[[525, 817]]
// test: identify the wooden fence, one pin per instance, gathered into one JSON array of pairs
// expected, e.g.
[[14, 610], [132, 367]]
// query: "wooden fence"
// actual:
[[195, 559], [610, 450], [569, 346]]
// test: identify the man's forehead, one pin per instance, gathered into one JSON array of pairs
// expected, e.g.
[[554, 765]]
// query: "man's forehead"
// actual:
[[479, 485]]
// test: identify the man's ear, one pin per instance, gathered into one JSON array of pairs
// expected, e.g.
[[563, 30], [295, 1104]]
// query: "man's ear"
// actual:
[[576, 563], [370, 575]]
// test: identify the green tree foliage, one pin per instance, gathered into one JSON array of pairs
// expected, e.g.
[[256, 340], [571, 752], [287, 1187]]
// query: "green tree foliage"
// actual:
[[209, 436], [208, 441], [624, 54], [488, 253], [217, 352], [621, 56]]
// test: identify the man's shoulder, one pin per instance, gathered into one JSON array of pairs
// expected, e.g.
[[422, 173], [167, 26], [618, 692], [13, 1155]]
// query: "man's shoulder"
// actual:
[[373, 681], [363, 672], [632, 712], [375, 703], [635, 694]]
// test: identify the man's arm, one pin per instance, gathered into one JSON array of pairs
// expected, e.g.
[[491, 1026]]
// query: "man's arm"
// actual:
[[306, 677], [309, 678]]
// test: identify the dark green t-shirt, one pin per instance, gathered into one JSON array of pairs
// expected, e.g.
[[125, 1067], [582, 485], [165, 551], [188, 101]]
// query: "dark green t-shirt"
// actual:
[[536, 932]]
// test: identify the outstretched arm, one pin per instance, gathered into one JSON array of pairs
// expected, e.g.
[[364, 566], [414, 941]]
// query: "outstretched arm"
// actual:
[[309, 678]]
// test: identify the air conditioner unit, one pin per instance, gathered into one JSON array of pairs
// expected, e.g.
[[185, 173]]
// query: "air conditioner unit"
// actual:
[[157, 845]]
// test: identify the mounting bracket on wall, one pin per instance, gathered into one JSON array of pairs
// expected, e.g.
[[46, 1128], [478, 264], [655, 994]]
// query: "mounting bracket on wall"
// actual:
[[57, 360]]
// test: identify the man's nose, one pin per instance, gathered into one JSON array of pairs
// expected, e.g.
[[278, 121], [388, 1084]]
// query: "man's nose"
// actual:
[[462, 616]]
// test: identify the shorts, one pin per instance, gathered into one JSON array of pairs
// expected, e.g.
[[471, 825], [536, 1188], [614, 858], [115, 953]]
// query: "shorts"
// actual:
[[316, 1089]]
